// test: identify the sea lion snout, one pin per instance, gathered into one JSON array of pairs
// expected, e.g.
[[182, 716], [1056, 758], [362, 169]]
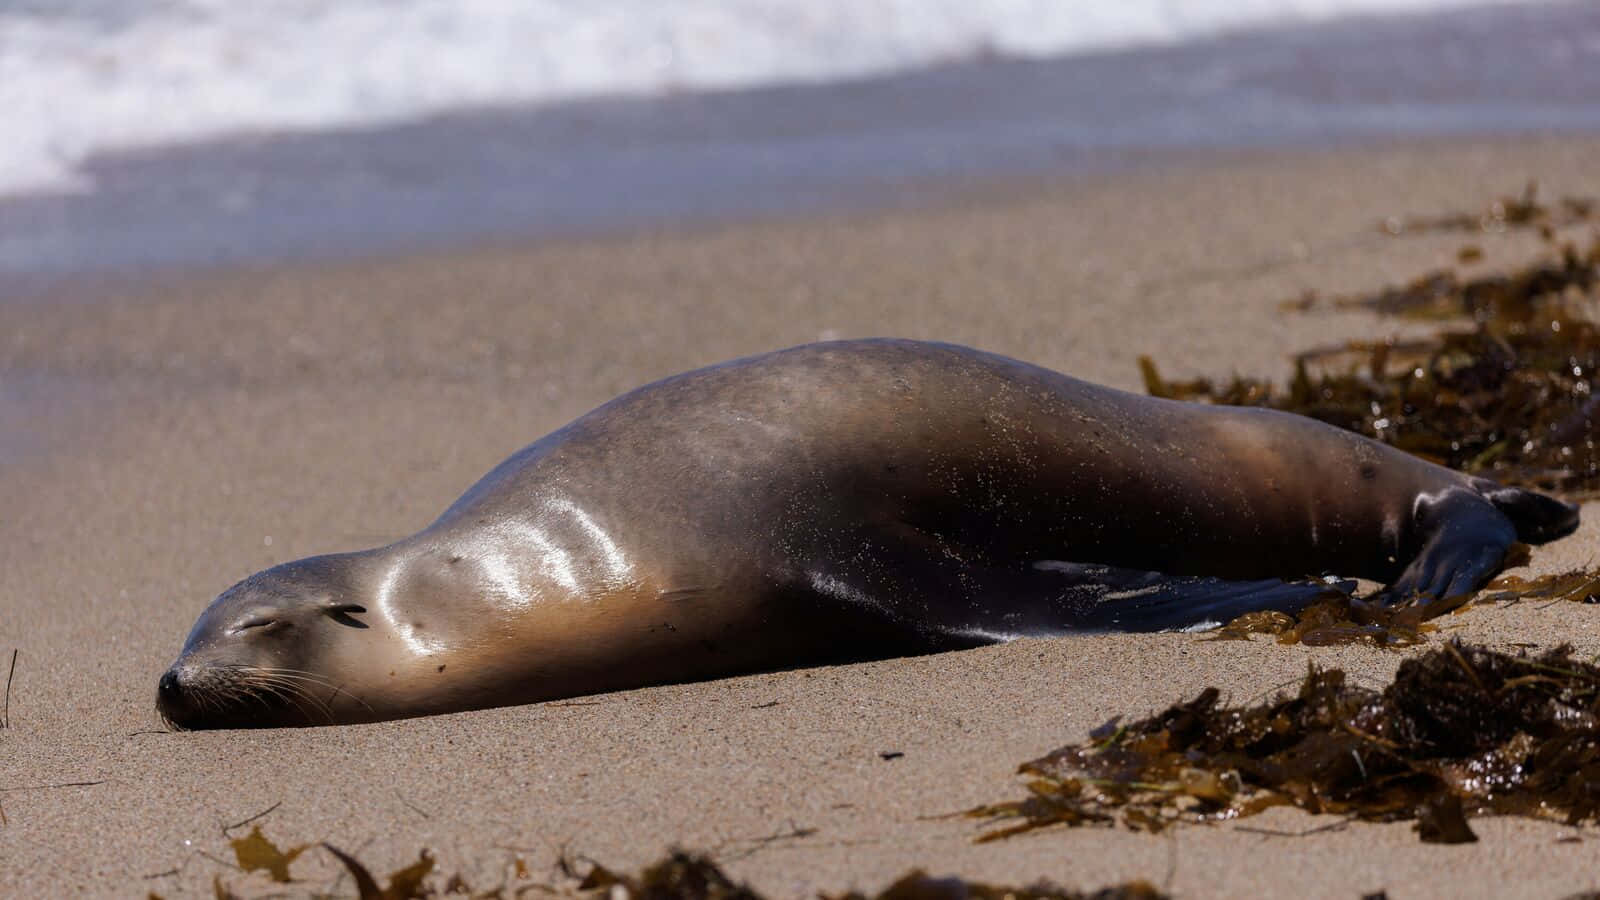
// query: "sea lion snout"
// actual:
[[173, 701], [235, 696], [183, 694]]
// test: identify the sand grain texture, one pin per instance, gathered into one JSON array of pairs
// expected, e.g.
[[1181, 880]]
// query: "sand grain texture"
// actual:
[[179, 434]]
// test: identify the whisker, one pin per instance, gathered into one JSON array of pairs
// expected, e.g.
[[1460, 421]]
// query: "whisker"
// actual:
[[324, 683], [301, 674], [297, 698], [313, 678], [281, 686], [316, 679]]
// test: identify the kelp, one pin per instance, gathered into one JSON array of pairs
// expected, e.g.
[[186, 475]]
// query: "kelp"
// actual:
[[1461, 731], [918, 885], [680, 875], [1340, 619], [1502, 214], [1581, 586], [405, 883], [687, 876], [1512, 397], [257, 854], [1514, 296]]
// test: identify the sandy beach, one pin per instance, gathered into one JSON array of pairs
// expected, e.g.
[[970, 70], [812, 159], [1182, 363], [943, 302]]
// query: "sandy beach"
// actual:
[[174, 433]]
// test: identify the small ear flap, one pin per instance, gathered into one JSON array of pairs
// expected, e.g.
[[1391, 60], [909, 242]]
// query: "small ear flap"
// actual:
[[343, 613], [1538, 518]]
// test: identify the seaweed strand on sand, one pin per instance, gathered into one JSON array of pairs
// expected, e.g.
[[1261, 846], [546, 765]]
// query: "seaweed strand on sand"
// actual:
[[1461, 731], [680, 875]]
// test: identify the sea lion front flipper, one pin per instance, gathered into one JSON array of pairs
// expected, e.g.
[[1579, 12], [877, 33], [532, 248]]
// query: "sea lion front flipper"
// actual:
[[1106, 598], [939, 600]]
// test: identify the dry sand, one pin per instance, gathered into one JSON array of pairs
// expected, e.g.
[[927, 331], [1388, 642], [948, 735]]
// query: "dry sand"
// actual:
[[185, 432]]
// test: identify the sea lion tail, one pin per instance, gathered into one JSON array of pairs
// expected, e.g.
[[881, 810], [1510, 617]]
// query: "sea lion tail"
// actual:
[[1537, 517]]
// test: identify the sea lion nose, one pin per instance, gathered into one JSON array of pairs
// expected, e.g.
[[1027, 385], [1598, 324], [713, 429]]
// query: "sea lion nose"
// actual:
[[172, 700], [167, 689]]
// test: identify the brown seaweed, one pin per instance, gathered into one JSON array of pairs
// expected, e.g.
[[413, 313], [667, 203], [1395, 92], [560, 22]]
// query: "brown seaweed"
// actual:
[[1582, 587], [1512, 397], [678, 876], [1460, 728], [1503, 214], [1516, 296], [1339, 619], [257, 854], [687, 876], [404, 884], [918, 885]]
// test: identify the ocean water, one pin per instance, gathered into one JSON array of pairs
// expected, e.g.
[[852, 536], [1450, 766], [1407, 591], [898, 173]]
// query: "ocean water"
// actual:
[[80, 77], [140, 133]]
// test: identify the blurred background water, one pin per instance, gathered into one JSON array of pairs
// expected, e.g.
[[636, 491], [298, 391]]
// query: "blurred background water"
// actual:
[[151, 133]]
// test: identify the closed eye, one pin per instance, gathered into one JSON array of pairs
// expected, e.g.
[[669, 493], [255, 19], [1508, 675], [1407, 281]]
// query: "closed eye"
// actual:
[[261, 622]]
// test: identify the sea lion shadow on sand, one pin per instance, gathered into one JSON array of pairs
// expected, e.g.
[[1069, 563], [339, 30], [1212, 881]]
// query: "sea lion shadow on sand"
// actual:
[[847, 500]]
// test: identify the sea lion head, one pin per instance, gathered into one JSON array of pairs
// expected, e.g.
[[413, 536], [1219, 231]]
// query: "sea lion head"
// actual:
[[292, 645]]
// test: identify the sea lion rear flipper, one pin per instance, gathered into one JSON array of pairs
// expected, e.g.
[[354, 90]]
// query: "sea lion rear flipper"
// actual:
[[1464, 539], [1537, 517]]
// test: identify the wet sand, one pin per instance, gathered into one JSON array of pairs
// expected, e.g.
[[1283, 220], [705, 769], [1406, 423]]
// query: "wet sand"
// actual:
[[162, 438]]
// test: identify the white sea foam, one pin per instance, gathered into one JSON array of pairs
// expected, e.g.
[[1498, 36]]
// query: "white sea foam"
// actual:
[[79, 77]]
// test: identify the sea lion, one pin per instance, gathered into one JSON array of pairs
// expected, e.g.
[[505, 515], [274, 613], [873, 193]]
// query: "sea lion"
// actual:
[[836, 501]]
